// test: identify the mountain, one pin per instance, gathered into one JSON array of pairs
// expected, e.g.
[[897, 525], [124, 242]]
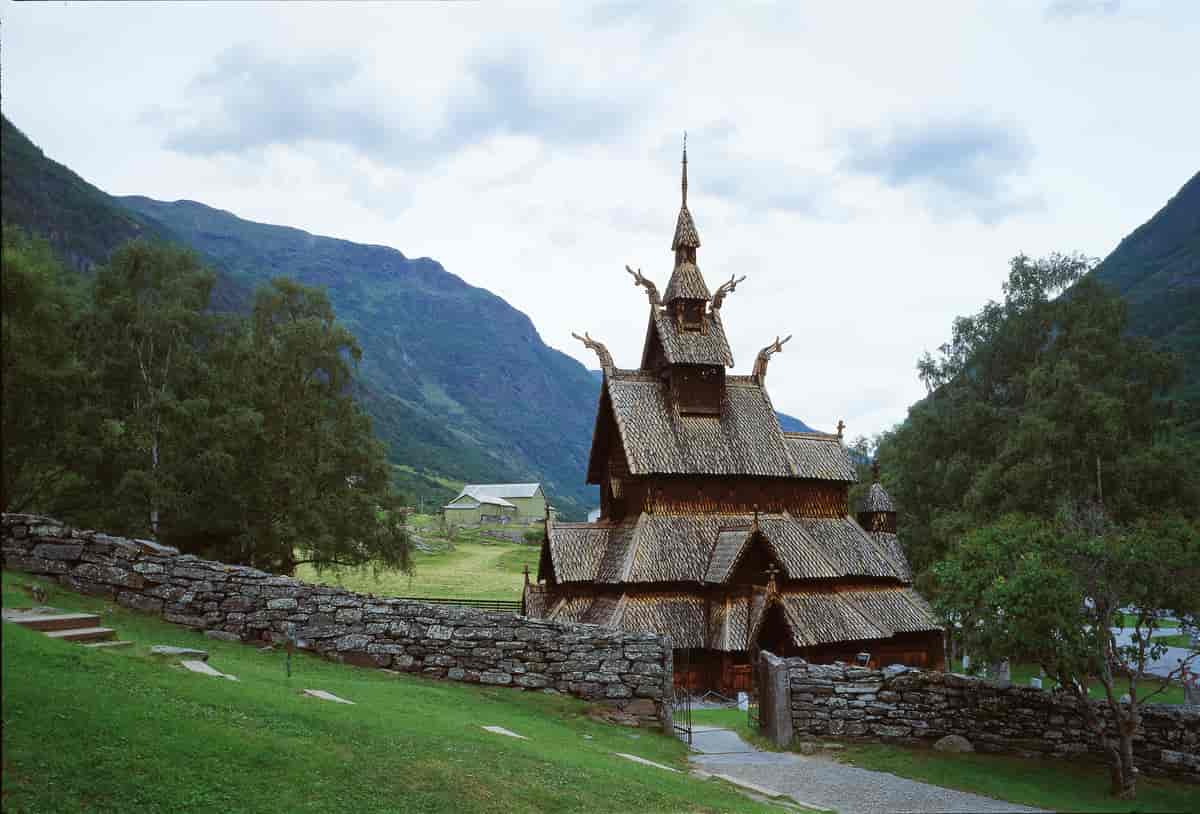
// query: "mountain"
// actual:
[[457, 381], [1156, 270], [82, 223]]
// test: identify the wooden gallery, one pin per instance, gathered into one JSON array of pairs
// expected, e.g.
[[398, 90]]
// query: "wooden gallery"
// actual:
[[716, 527]]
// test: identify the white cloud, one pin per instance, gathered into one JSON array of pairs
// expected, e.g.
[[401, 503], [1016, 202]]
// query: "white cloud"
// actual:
[[533, 150]]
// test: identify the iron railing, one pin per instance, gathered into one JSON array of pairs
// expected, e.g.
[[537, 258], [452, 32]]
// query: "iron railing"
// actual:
[[510, 605]]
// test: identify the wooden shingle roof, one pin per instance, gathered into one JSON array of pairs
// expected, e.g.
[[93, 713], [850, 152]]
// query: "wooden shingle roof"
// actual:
[[707, 347], [704, 548], [819, 455], [744, 440], [686, 236], [877, 500], [680, 616], [576, 549], [814, 617], [686, 283]]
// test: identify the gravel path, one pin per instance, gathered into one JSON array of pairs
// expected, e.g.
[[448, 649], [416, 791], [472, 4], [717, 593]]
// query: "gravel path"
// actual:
[[824, 783]]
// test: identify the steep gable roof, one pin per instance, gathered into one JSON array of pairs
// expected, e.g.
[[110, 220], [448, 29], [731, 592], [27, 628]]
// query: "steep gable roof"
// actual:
[[707, 347]]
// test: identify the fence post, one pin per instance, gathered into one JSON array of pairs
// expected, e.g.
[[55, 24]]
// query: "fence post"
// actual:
[[775, 700]]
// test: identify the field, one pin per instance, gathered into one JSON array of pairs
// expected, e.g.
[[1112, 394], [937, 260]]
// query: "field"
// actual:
[[100, 730], [464, 565]]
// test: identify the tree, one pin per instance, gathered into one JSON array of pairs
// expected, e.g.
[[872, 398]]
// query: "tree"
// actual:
[[1037, 400], [146, 338], [314, 482], [1052, 592], [43, 377]]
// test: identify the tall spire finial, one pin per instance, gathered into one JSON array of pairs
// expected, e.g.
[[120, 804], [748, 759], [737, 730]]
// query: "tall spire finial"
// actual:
[[685, 169]]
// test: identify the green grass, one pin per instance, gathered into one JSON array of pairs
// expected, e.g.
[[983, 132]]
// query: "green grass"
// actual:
[[466, 565], [1175, 640], [121, 731], [1021, 673], [1052, 784], [1129, 620]]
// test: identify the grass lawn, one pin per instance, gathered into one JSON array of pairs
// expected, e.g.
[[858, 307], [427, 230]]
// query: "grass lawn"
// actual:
[[468, 566], [101, 730], [1021, 673], [1175, 640], [1128, 620], [1051, 784]]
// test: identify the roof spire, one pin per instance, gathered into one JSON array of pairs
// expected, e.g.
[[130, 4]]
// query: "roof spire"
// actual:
[[685, 169], [686, 240]]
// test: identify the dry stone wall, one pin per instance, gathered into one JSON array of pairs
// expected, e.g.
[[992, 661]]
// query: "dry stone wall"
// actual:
[[907, 705], [629, 672]]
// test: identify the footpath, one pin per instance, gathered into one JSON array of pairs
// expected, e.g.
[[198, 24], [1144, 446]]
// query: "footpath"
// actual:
[[819, 782]]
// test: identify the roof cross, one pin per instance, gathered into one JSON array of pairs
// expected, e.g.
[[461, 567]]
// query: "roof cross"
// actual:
[[841, 427], [771, 571]]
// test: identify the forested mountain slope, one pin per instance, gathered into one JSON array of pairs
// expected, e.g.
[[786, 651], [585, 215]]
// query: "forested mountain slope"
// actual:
[[458, 381], [1156, 270]]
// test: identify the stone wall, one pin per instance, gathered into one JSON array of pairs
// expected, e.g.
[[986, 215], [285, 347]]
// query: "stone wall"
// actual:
[[907, 705], [629, 672]]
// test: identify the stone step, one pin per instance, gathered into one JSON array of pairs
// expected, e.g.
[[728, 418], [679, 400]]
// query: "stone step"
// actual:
[[114, 643], [83, 634], [56, 621]]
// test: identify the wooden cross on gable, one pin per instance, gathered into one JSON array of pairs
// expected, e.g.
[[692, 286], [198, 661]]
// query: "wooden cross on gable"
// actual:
[[771, 571], [841, 427]]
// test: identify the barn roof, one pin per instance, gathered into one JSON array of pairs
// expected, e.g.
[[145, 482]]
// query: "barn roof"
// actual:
[[475, 500], [499, 490], [704, 548]]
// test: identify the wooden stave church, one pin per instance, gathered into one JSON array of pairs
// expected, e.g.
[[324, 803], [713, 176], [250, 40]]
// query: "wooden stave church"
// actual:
[[716, 527]]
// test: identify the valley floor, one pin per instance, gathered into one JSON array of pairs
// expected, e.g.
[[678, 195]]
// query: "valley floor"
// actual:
[[464, 564]]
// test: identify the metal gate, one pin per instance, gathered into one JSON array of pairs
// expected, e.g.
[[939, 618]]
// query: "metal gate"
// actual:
[[681, 697]]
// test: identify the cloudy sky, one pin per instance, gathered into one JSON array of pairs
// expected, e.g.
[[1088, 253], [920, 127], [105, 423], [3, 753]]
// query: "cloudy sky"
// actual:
[[869, 166]]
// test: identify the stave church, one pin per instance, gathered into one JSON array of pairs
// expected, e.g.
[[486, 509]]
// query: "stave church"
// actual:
[[718, 528]]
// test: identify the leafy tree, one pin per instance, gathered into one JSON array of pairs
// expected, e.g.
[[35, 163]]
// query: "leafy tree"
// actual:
[[1036, 400], [314, 481], [146, 337], [1052, 592], [43, 377], [137, 410]]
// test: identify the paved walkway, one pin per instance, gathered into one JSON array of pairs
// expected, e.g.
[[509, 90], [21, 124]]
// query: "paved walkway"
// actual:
[[1168, 661], [824, 783]]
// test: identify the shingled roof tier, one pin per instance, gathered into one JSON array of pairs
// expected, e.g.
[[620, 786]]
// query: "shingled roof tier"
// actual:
[[814, 617], [877, 500], [686, 283], [819, 455], [744, 440], [706, 347], [705, 548], [686, 236]]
